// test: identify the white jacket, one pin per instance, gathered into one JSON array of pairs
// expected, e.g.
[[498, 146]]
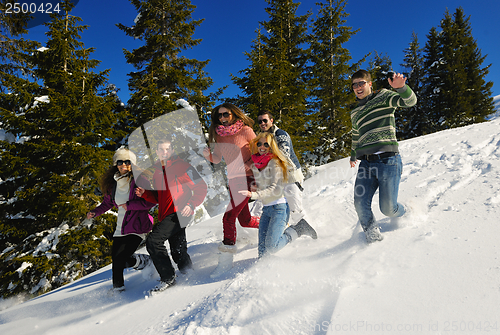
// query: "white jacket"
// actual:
[[269, 182]]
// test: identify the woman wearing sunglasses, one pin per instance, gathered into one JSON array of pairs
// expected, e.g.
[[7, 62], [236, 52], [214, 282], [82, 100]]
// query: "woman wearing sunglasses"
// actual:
[[133, 221], [271, 170], [229, 137]]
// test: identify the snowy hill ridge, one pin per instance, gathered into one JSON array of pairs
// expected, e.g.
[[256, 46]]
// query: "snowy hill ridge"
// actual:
[[436, 272]]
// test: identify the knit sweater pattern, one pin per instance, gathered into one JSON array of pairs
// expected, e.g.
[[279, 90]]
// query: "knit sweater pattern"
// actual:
[[373, 123]]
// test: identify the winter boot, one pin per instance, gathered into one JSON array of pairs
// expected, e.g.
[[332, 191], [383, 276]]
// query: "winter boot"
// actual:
[[231, 248], [225, 264], [142, 260], [118, 289], [303, 228], [373, 234], [401, 220], [186, 268], [162, 286], [254, 222]]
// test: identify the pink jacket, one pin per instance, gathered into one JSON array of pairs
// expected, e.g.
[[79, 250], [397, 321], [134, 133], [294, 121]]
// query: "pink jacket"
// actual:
[[236, 152]]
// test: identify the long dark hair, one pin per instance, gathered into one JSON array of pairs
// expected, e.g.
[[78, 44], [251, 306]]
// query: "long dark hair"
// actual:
[[107, 180], [237, 114]]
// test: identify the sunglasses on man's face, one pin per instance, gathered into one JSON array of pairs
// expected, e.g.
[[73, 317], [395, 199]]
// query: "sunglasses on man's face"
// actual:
[[263, 121], [120, 162], [259, 144], [358, 84], [225, 114]]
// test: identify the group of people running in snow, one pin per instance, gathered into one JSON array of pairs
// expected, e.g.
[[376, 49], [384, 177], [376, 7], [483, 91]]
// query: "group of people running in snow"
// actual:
[[260, 167]]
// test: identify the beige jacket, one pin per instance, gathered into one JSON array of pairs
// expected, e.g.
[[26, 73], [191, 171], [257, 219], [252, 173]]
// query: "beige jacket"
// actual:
[[269, 182]]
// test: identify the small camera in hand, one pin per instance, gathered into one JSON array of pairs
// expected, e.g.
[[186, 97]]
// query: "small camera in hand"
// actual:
[[390, 75]]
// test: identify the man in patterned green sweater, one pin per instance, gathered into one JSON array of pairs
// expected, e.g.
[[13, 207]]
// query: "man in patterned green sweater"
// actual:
[[374, 143]]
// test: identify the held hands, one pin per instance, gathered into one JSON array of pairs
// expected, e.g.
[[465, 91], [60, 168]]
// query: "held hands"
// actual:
[[139, 191], [245, 193], [353, 163], [397, 81], [124, 206], [187, 211]]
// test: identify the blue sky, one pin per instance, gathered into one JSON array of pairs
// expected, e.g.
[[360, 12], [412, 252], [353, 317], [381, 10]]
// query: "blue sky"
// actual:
[[230, 25]]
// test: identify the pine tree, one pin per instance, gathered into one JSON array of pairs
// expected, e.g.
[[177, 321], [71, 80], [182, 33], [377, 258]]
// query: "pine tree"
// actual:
[[12, 26], [61, 119], [122, 123], [331, 87], [466, 94], [412, 121], [430, 99], [163, 75], [279, 62], [255, 82], [379, 67]]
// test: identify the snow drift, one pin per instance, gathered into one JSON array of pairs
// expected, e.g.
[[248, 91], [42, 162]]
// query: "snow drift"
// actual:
[[436, 272]]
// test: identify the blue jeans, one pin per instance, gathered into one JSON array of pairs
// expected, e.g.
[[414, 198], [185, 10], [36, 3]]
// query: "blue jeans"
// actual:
[[272, 225], [383, 174]]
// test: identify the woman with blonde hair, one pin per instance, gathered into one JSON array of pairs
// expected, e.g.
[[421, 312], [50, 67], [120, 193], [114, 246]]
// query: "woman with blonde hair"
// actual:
[[229, 137], [270, 168]]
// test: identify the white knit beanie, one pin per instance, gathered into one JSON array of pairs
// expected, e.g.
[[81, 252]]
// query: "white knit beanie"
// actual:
[[124, 154]]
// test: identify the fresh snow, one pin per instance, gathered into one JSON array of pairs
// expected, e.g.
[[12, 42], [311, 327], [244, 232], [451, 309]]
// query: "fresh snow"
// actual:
[[5, 136], [436, 272], [496, 101]]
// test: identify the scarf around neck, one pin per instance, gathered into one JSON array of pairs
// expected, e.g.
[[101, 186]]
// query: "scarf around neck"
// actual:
[[261, 161], [229, 130], [119, 176]]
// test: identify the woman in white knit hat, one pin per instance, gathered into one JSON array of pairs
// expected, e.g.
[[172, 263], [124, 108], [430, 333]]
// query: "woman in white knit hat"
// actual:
[[133, 221]]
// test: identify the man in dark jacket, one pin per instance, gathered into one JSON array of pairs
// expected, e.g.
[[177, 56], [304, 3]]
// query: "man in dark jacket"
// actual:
[[178, 190]]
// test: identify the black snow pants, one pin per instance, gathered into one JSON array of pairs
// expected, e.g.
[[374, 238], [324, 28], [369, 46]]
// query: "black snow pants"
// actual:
[[168, 229], [121, 254]]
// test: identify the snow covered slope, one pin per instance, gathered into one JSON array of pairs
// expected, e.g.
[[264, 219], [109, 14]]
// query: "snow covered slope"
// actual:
[[436, 273]]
